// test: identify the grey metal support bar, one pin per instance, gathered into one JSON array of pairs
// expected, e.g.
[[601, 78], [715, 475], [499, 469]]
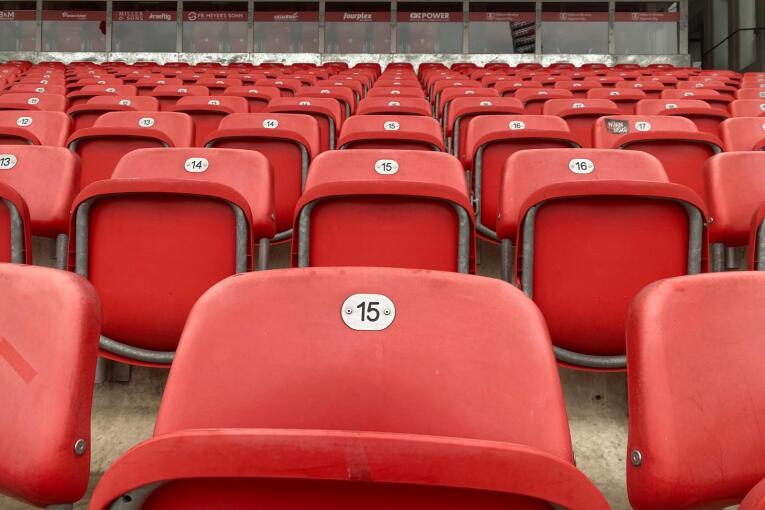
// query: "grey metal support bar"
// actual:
[[717, 257], [759, 258], [465, 26], [538, 35], [251, 26], [109, 16], [611, 26], [179, 27], [18, 248], [62, 244], [682, 29], [38, 25], [393, 26]]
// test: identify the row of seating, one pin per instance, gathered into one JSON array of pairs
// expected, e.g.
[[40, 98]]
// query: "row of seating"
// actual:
[[401, 400], [217, 204]]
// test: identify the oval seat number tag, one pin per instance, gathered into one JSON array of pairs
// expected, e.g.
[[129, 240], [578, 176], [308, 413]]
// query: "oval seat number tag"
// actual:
[[386, 166], [581, 166], [368, 312], [7, 161], [517, 124], [270, 123], [24, 121], [145, 122], [391, 125], [643, 126], [196, 165], [125, 102], [394, 103], [33, 100]]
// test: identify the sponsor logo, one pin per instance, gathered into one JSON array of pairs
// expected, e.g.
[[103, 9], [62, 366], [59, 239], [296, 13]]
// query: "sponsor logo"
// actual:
[[286, 17], [80, 16], [429, 16], [357, 16]]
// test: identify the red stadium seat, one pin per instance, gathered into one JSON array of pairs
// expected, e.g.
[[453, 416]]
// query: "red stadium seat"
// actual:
[[344, 95], [287, 86], [743, 134], [146, 85], [448, 95], [82, 95], [85, 115], [217, 86], [36, 88], [347, 82], [257, 97], [625, 99], [719, 86], [490, 140], [575, 223], [735, 190], [46, 178], [289, 141], [407, 416], [207, 112], [411, 132], [578, 88], [378, 91], [534, 99], [706, 118], [15, 232], [30, 101], [168, 95], [168, 225], [463, 109], [714, 98], [508, 86], [439, 86], [758, 93], [325, 110], [580, 115], [50, 322], [34, 128], [689, 341], [652, 89], [115, 134], [675, 141], [422, 218], [748, 108], [394, 106]]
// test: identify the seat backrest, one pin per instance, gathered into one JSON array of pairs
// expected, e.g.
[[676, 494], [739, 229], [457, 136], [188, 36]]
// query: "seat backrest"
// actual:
[[32, 101], [605, 210], [423, 215], [674, 140], [755, 93], [34, 128], [580, 114], [187, 218], [701, 113], [625, 99], [735, 190], [534, 99], [748, 108], [207, 112], [289, 141], [396, 91], [49, 321], [326, 110], [394, 106], [713, 97], [168, 95], [85, 115], [36, 88], [47, 178], [743, 134], [257, 97], [343, 94], [707, 329], [412, 132], [114, 134]]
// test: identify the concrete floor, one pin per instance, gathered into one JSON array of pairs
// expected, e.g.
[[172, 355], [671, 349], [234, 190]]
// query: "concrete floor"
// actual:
[[123, 413]]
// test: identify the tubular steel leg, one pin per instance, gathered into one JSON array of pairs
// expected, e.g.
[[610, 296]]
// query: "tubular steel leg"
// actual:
[[717, 258], [263, 253], [507, 256], [62, 244]]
